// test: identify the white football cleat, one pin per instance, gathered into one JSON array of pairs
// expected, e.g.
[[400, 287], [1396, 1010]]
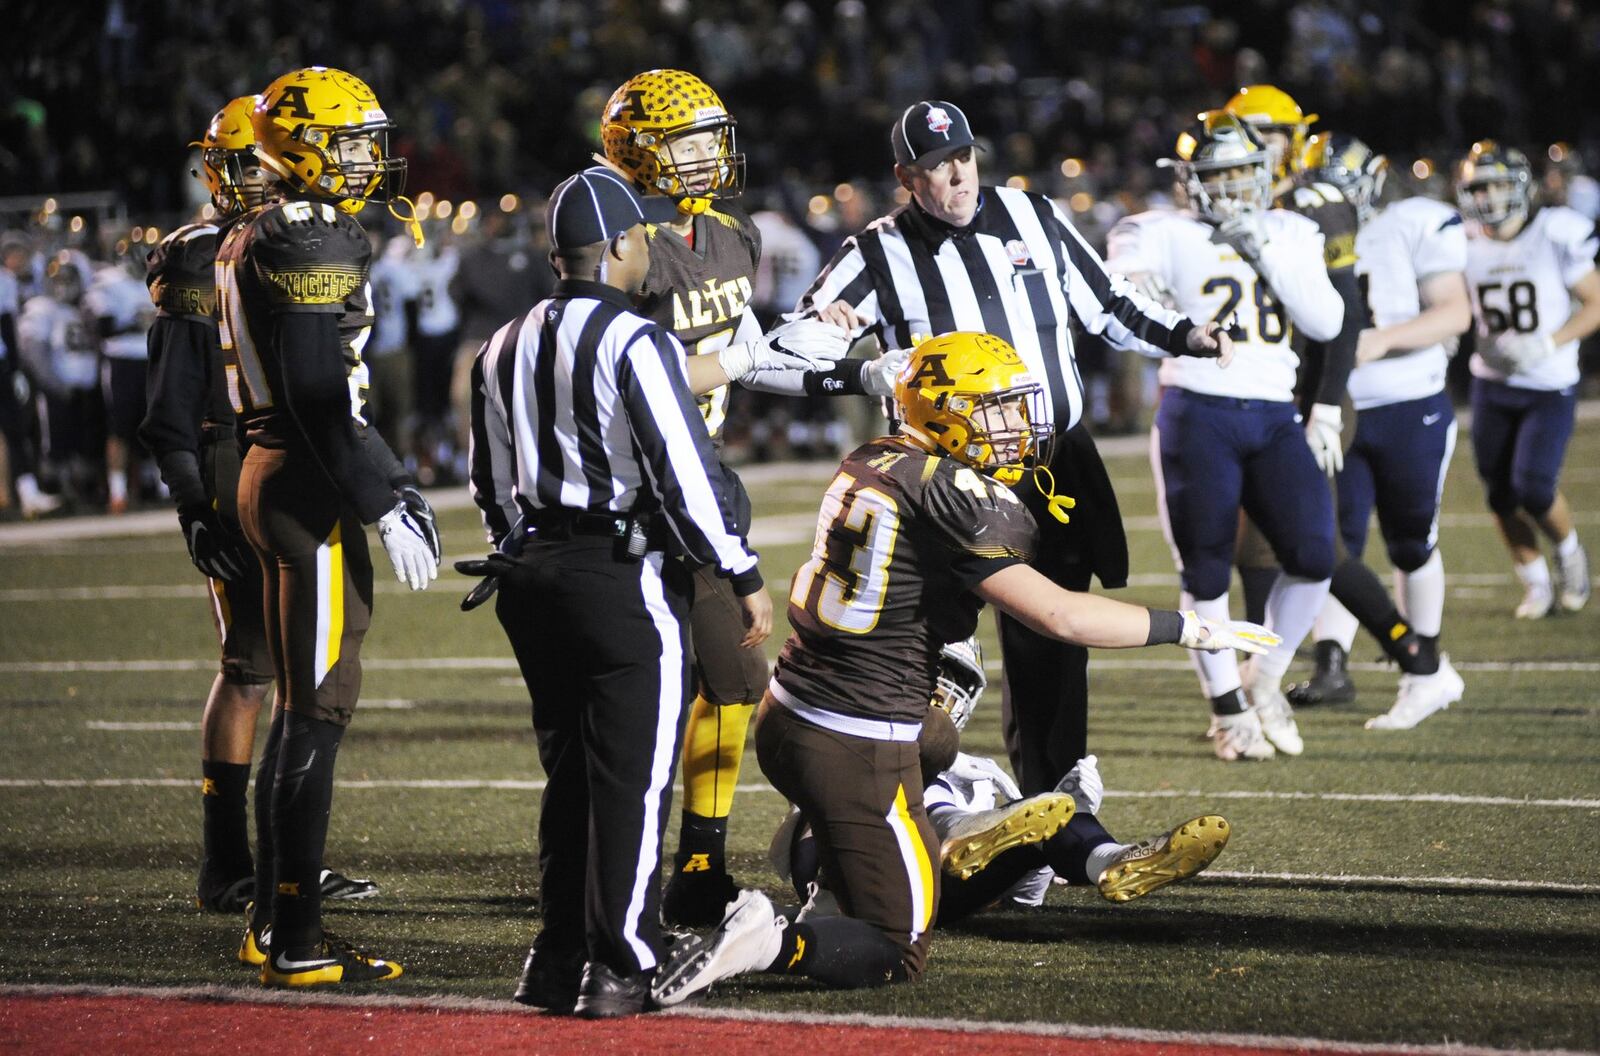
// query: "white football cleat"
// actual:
[[1235, 737], [1084, 785], [1537, 602], [1277, 720], [748, 940], [1421, 696], [1574, 575]]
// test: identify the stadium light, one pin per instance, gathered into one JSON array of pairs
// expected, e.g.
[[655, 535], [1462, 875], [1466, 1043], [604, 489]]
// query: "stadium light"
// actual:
[[509, 203]]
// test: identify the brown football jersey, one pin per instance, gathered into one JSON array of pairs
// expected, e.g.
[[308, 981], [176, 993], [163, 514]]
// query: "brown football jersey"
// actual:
[[901, 539], [700, 293]]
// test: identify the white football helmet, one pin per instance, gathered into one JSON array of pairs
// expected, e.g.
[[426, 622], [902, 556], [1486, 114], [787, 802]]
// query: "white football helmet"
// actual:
[[1224, 167], [960, 681]]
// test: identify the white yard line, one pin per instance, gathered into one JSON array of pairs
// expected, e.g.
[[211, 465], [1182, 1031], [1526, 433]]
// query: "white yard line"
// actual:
[[142, 727], [1480, 883]]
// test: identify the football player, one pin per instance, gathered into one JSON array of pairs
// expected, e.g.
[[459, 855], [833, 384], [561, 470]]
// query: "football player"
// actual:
[[293, 318], [997, 845], [1230, 438], [1411, 258], [927, 514], [188, 426], [19, 452], [1535, 295], [1325, 366], [59, 354], [669, 133]]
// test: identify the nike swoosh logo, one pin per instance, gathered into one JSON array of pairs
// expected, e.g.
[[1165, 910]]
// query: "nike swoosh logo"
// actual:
[[284, 964], [1429, 419]]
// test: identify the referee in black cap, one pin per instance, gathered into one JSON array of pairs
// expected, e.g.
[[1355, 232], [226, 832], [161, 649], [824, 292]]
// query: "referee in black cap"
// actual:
[[588, 452]]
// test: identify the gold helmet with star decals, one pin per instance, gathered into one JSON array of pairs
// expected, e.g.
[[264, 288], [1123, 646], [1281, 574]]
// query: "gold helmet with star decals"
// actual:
[[669, 133], [1269, 108], [323, 133], [970, 396], [227, 150]]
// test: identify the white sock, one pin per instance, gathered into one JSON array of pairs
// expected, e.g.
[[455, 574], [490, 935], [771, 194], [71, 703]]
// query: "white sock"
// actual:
[[1567, 549], [1335, 622], [117, 485], [1292, 608], [1421, 595], [1100, 860], [28, 487], [1219, 672], [1535, 573]]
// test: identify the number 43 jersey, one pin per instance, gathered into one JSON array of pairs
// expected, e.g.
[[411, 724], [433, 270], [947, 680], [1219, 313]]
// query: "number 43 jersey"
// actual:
[[1522, 286], [902, 538]]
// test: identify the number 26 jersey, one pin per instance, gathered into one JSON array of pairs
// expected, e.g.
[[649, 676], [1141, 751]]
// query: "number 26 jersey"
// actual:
[[902, 537]]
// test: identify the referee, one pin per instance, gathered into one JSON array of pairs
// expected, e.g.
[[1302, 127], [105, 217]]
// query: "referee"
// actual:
[[588, 452], [962, 256]]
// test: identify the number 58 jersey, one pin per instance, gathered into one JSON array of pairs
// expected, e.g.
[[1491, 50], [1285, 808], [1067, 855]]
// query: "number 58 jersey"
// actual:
[[1523, 286], [1210, 282], [902, 537]]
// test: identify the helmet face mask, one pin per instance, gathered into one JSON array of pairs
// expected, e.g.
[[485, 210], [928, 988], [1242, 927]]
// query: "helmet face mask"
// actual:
[[1494, 184], [1350, 165], [969, 396], [960, 680], [322, 132], [1225, 168], [669, 133], [229, 164]]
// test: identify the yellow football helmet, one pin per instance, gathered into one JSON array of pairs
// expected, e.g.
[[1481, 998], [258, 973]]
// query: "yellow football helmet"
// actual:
[[323, 132], [1272, 109], [1350, 165], [227, 148], [970, 396], [1494, 184], [644, 129]]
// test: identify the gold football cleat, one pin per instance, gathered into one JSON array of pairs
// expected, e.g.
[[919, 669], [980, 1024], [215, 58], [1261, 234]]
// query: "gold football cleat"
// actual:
[[1177, 855], [978, 839]]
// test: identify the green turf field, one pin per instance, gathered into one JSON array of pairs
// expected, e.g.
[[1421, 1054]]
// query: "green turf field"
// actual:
[[1417, 914]]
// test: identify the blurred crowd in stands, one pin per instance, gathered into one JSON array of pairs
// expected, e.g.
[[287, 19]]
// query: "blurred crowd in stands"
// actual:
[[497, 100]]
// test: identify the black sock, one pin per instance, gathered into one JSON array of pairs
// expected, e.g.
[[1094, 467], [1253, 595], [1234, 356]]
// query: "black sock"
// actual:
[[1257, 583], [1229, 703], [1068, 850], [961, 898], [1359, 589], [1426, 661], [224, 827], [840, 951], [301, 801], [266, 778], [702, 844]]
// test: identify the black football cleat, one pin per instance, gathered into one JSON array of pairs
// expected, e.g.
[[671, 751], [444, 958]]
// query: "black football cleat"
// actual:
[[551, 980], [346, 888], [1329, 684], [216, 894], [603, 994]]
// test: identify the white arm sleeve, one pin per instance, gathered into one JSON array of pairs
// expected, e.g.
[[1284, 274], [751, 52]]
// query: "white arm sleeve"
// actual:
[[1293, 268]]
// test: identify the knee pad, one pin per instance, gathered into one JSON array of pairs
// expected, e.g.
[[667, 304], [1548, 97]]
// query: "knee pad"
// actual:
[[1310, 558], [1207, 578], [1536, 496], [1408, 555], [1501, 497]]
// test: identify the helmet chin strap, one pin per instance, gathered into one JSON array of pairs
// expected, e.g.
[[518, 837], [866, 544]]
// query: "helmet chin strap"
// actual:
[[1058, 505], [693, 206], [409, 218]]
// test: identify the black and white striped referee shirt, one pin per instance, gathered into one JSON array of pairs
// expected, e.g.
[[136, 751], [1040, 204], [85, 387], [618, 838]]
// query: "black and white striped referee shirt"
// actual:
[[1019, 271], [582, 404]]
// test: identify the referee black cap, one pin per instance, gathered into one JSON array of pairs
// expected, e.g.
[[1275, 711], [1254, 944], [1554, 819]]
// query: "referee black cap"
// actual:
[[597, 204], [928, 132]]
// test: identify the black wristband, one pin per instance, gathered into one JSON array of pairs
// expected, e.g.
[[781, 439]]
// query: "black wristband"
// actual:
[[844, 378], [1166, 627]]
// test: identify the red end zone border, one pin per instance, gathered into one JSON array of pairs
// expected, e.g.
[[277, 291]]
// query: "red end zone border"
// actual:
[[208, 1020]]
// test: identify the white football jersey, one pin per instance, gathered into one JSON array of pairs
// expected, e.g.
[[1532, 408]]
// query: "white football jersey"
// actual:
[[392, 286], [1209, 281], [436, 309], [1408, 242], [1523, 286], [125, 300], [10, 304], [57, 339]]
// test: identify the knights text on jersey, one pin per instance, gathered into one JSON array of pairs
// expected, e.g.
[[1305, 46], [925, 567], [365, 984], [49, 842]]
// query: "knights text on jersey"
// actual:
[[1335, 217], [186, 385], [289, 257], [1398, 250], [701, 293], [1523, 286], [179, 273], [902, 537]]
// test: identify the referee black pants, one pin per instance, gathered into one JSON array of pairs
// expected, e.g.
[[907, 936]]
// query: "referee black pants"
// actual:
[[603, 645]]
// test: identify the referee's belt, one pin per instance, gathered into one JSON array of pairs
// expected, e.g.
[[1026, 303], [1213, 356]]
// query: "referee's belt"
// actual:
[[212, 434], [562, 523]]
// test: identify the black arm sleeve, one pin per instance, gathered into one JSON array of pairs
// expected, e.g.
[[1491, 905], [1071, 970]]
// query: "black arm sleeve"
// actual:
[[1338, 357], [175, 404], [317, 394], [844, 378]]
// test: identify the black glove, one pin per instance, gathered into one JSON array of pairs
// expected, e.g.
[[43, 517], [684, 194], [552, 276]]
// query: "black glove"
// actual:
[[422, 514], [491, 568], [215, 550]]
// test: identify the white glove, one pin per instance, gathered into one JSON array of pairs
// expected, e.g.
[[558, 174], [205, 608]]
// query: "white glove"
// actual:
[[879, 374], [1515, 353], [1322, 434], [977, 768], [1246, 233], [802, 344], [408, 548], [1214, 636]]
